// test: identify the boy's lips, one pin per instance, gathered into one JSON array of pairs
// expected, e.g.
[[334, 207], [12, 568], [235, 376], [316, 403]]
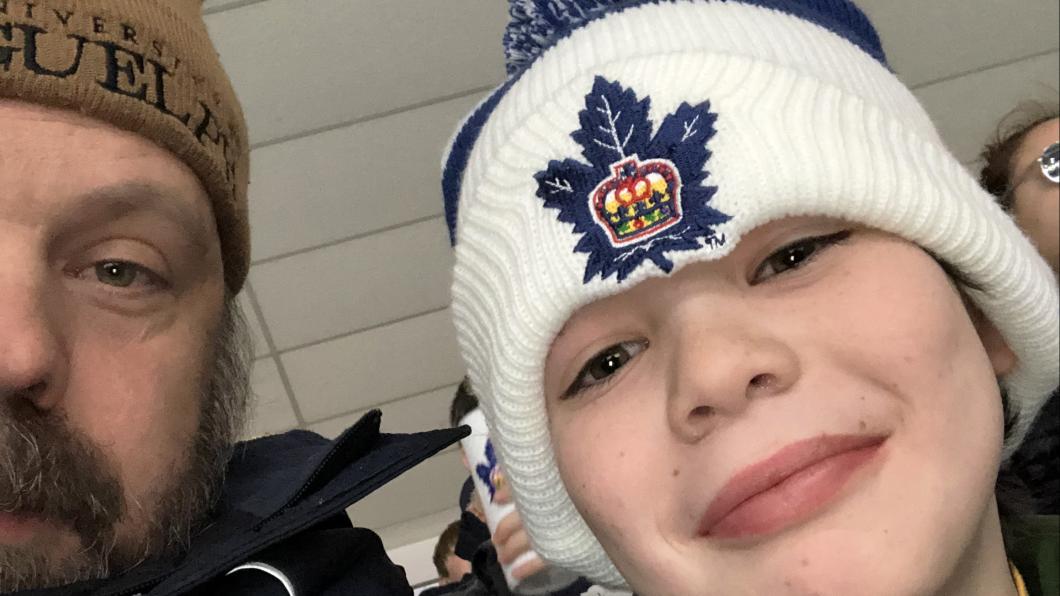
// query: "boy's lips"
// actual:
[[787, 487]]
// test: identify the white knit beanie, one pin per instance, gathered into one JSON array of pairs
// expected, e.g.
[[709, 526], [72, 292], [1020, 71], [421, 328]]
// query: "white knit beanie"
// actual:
[[633, 138]]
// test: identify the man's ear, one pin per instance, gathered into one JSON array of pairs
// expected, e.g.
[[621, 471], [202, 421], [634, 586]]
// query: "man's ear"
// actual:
[[1002, 358]]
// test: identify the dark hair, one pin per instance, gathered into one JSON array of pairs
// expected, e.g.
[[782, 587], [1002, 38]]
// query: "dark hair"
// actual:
[[1014, 499], [464, 401], [445, 547], [997, 155], [466, 491]]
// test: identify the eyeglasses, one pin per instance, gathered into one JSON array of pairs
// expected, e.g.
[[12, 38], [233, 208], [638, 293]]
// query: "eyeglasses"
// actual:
[[1048, 164]]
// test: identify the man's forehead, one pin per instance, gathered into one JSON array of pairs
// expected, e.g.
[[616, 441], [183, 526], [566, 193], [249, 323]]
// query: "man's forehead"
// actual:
[[31, 130], [56, 159], [38, 129], [14, 108]]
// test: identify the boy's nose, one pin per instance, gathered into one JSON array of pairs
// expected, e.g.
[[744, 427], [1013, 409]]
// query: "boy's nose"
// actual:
[[720, 365]]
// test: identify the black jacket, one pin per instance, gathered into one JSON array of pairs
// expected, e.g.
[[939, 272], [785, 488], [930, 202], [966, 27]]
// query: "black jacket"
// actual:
[[1034, 464], [282, 515]]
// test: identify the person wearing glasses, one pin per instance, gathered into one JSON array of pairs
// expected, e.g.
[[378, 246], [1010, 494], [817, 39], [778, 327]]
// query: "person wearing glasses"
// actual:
[[1022, 168]]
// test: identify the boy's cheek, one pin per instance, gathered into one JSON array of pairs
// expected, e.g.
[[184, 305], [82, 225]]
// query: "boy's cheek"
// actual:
[[604, 477]]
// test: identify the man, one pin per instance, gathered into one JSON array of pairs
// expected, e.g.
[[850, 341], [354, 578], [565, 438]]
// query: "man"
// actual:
[[123, 353]]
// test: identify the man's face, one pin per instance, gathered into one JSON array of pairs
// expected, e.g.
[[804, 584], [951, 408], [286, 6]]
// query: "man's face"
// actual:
[[1036, 200], [816, 413], [110, 300]]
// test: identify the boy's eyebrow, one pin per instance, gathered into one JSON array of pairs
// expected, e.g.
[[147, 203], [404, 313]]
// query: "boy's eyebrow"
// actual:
[[120, 200]]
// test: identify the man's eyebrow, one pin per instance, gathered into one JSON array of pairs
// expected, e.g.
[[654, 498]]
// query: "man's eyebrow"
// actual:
[[109, 203]]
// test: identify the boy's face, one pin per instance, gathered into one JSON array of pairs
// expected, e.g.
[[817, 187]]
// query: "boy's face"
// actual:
[[837, 365]]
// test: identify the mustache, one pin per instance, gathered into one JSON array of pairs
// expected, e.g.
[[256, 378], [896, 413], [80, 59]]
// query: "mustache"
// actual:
[[51, 471]]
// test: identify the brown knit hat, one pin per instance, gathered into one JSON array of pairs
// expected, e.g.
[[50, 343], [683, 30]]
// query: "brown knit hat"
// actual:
[[147, 66]]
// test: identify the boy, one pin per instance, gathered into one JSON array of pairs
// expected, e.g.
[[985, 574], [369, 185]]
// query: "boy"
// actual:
[[724, 297]]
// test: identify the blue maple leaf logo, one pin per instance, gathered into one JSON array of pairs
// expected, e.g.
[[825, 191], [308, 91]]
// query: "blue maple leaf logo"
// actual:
[[640, 196], [485, 471]]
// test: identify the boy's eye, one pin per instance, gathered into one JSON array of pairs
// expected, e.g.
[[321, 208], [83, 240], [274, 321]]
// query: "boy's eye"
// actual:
[[604, 364], [796, 255]]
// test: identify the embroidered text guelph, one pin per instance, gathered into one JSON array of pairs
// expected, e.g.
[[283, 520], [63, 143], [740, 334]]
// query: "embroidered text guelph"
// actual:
[[126, 72]]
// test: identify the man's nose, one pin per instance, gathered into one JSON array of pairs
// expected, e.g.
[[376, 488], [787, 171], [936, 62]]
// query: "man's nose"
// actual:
[[30, 354]]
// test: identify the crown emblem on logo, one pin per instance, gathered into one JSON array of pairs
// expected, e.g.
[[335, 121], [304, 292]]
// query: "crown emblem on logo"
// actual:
[[640, 199], [641, 195]]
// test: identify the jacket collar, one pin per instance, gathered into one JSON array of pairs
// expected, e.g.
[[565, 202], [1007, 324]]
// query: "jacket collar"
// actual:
[[276, 487]]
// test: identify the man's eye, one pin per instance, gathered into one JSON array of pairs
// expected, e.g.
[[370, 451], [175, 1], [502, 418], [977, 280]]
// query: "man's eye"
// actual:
[[604, 364], [796, 255], [123, 274]]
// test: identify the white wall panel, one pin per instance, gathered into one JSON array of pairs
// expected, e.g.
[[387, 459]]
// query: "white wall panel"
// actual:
[[301, 65], [354, 285], [925, 41], [417, 557], [408, 531], [351, 180], [271, 411], [966, 110], [374, 367], [209, 6], [426, 411]]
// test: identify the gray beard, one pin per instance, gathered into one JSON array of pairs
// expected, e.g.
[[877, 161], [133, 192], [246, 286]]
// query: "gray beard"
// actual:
[[53, 471]]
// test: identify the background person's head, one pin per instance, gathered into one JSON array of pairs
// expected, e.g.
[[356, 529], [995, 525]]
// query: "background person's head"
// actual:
[[688, 264], [1011, 171], [464, 402], [123, 353], [450, 567]]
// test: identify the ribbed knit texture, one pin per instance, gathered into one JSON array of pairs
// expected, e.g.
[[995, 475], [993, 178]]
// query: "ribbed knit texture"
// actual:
[[808, 124], [146, 66]]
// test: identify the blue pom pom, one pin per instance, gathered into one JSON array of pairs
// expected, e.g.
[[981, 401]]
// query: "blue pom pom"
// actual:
[[536, 24]]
